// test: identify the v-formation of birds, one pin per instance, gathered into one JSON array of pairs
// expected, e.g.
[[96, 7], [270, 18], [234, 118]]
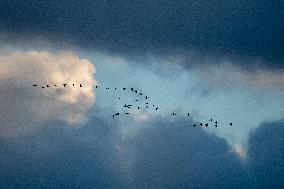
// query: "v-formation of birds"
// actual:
[[147, 104]]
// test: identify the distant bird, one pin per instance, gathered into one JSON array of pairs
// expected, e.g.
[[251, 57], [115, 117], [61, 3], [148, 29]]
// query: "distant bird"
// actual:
[[146, 97], [47, 85], [55, 85], [153, 105], [231, 124], [215, 125], [146, 106], [136, 100], [80, 85], [114, 88], [116, 114], [147, 102], [187, 114], [215, 122], [127, 113], [96, 86], [135, 91], [118, 98], [112, 116], [200, 124], [138, 107], [42, 87], [210, 119], [193, 125], [141, 94], [34, 85], [206, 124], [157, 108], [123, 88], [64, 84], [131, 89], [73, 84]]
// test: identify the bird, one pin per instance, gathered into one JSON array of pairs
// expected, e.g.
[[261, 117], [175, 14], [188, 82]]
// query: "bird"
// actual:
[[141, 94], [157, 108], [116, 114], [123, 88], [146, 106], [135, 91], [146, 97], [54, 85], [206, 124], [138, 107], [47, 85], [187, 114], [127, 113], [73, 84], [210, 119], [136, 100], [215, 122], [80, 85], [64, 84], [34, 85], [231, 124], [215, 125], [131, 89], [193, 125], [200, 124]]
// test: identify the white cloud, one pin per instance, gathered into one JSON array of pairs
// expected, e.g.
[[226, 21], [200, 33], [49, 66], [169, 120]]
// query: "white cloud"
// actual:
[[24, 106]]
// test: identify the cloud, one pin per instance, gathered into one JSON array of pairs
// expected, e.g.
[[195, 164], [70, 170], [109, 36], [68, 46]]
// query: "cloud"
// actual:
[[243, 29], [23, 106], [229, 75]]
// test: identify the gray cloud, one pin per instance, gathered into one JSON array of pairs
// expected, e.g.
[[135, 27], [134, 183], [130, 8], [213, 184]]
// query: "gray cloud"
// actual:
[[241, 29], [164, 156]]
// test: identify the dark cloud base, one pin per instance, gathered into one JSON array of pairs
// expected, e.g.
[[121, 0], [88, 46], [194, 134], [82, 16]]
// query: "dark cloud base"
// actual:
[[239, 29], [166, 156]]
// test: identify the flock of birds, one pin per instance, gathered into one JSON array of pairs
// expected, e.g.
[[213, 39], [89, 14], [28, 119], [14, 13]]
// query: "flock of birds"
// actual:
[[131, 106]]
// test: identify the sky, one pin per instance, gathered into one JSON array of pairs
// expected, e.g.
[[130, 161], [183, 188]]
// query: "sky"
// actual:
[[202, 60]]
